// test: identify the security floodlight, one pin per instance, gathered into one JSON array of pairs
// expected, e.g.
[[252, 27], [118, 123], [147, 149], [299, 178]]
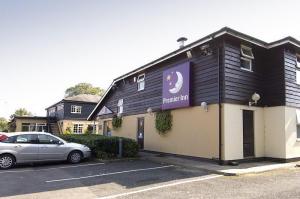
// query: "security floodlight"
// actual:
[[255, 98]]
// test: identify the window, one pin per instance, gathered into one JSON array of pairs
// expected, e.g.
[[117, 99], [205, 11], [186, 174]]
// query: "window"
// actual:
[[47, 139], [5, 139], [298, 122], [247, 52], [75, 109], [29, 127], [77, 128], [246, 58], [246, 64], [298, 70], [120, 106], [141, 82], [60, 107], [26, 139], [51, 111]]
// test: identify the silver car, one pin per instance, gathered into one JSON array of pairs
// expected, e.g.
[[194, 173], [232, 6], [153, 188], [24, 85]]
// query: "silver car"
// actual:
[[25, 147]]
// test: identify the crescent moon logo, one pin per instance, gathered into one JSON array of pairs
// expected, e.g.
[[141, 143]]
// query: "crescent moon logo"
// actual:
[[178, 84]]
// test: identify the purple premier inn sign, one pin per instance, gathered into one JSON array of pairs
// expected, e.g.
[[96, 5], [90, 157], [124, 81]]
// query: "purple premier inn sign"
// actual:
[[176, 87]]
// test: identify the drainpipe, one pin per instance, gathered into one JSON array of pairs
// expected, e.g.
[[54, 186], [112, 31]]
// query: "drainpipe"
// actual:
[[220, 111]]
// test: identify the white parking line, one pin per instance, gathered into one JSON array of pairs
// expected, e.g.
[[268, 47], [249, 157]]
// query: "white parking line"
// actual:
[[107, 174], [65, 167], [197, 179]]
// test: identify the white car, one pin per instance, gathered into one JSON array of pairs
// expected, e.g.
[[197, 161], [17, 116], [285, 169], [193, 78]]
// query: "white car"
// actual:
[[25, 147]]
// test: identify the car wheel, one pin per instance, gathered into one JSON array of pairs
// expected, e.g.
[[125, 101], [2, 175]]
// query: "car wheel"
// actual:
[[7, 161], [75, 157]]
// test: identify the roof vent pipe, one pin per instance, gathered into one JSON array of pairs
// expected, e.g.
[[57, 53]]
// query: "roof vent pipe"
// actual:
[[181, 41]]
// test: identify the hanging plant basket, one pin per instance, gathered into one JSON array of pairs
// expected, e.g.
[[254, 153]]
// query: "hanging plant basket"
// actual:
[[163, 121], [116, 122]]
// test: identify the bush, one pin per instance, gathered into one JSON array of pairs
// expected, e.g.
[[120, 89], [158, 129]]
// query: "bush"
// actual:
[[116, 122], [104, 147], [163, 121]]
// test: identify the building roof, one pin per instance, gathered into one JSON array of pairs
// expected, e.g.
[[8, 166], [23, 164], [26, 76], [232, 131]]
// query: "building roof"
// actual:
[[84, 98], [79, 98], [30, 117], [214, 35]]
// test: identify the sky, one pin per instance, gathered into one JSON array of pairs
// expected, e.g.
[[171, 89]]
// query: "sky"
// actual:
[[47, 46]]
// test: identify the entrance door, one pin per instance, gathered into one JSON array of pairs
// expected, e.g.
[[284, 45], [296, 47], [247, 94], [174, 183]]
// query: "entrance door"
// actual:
[[107, 127], [248, 133], [140, 132]]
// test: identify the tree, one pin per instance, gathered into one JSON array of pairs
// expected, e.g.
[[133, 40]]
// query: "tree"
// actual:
[[3, 124], [21, 112], [83, 88]]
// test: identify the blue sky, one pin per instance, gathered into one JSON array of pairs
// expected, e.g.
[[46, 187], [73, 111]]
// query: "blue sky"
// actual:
[[49, 45]]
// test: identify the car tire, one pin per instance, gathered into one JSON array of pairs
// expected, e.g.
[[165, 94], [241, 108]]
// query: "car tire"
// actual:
[[75, 157], [7, 161]]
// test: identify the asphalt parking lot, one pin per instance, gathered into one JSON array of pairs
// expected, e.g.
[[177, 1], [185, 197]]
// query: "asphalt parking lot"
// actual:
[[141, 179], [90, 179]]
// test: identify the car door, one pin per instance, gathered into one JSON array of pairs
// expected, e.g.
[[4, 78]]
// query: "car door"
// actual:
[[50, 148], [26, 147]]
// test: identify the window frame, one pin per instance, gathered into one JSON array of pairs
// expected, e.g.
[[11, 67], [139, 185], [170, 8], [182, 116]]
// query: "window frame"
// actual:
[[141, 81], [76, 109], [243, 47], [79, 126], [250, 61]]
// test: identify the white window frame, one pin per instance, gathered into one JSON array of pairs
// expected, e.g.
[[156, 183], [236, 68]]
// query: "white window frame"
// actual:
[[243, 47], [76, 109], [78, 128], [141, 82], [120, 106], [250, 61]]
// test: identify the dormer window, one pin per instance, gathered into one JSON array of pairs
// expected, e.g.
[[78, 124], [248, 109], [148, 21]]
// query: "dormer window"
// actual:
[[141, 82], [298, 69], [120, 106], [246, 58], [75, 109]]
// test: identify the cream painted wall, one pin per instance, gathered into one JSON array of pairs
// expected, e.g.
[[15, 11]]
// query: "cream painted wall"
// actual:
[[194, 132], [275, 132], [292, 146], [232, 131]]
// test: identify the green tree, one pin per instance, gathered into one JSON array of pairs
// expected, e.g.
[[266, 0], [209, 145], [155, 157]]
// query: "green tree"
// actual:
[[83, 88], [3, 124], [21, 112]]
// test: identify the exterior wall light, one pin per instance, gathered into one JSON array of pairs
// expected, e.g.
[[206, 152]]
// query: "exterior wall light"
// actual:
[[255, 98], [150, 111], [204, 106]]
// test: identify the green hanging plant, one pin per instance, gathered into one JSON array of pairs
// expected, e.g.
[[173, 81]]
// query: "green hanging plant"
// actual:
[[116, 122], [163, 121]]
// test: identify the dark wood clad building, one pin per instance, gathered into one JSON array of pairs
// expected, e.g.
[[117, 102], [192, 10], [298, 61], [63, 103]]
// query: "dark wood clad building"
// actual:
[[239, 100]]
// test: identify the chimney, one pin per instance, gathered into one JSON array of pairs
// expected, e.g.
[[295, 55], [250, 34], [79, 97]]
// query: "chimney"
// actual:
[[181, 41]]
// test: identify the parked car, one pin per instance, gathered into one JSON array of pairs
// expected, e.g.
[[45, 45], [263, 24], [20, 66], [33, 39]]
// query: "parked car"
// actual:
[[29, 147]]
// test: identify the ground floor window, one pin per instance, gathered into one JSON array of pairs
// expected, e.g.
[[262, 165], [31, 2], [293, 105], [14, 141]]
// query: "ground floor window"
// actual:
[[78, 128], [34, 127]]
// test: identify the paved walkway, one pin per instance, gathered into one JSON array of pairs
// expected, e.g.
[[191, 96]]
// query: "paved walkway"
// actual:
[[241, 169]]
